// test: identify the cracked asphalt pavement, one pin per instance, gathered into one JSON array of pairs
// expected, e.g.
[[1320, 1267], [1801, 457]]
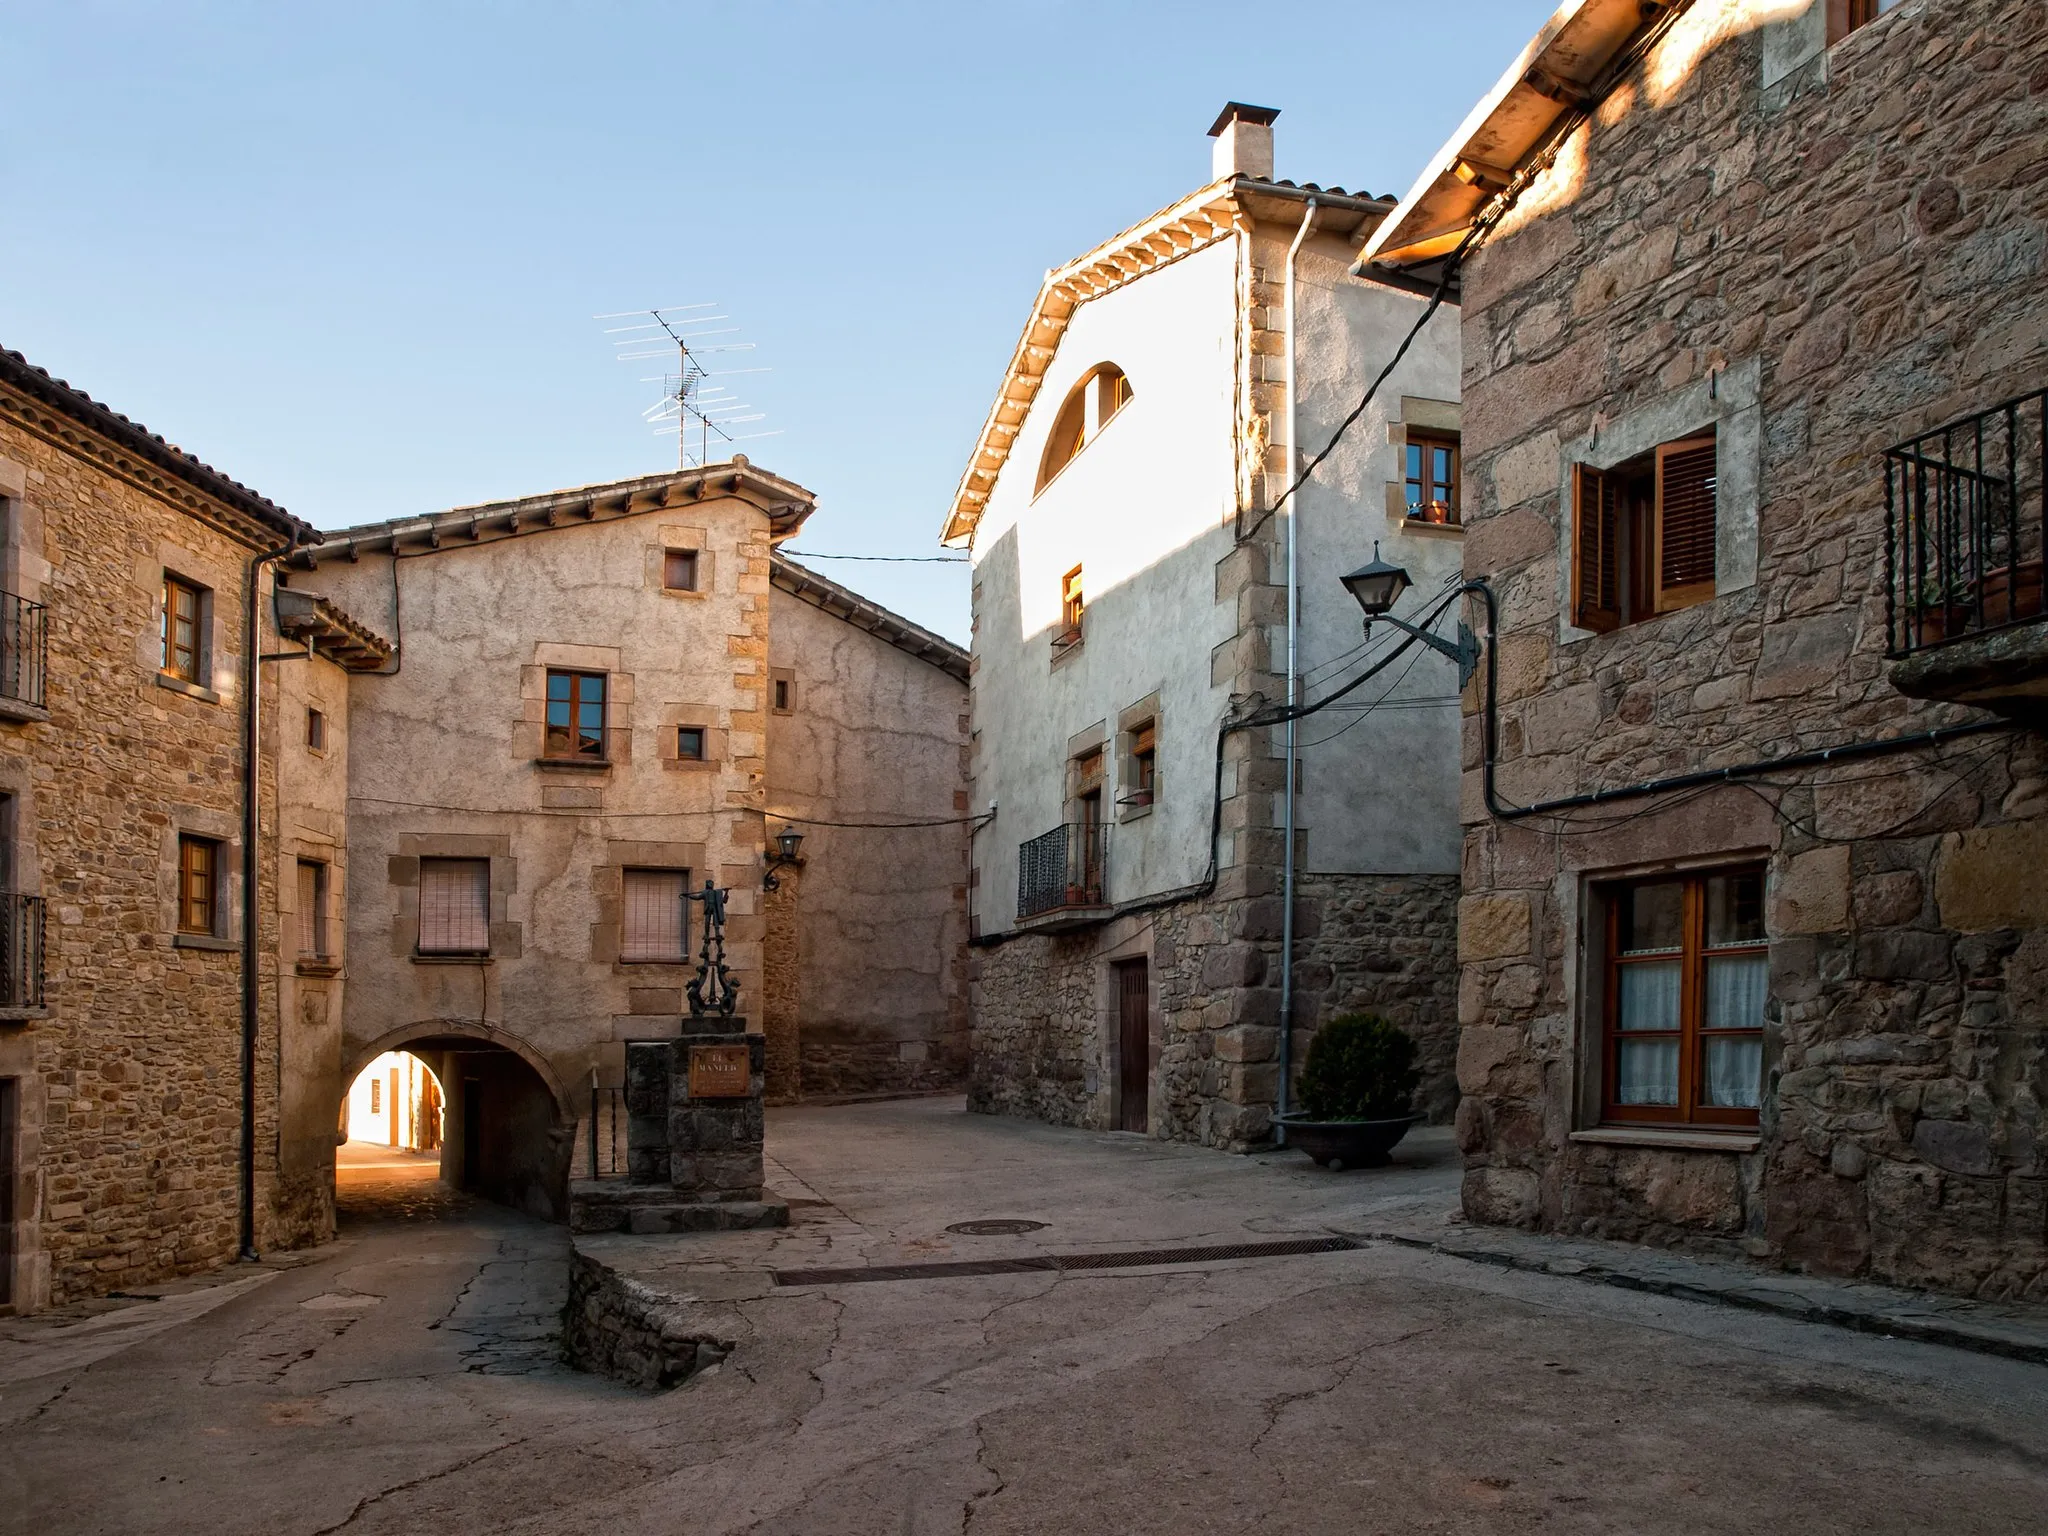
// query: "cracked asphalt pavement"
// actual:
[[406, 1379]]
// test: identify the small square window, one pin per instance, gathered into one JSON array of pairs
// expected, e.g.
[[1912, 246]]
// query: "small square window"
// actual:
[[690, 743], [1432, 476], [198, 877], [184, 629], [679, 570], [316, 730]]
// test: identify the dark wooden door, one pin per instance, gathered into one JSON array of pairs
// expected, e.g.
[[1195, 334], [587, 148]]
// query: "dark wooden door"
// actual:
[[1134, 1043]]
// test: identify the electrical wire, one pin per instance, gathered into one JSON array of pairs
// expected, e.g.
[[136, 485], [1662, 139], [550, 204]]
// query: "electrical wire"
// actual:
[[812, 554], [806, 821]]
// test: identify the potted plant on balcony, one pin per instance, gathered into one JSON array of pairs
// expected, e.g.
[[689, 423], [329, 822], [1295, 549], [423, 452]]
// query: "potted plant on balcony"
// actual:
[[1357, 1093]]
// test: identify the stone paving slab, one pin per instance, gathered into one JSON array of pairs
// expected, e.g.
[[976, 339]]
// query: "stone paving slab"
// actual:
[[2018, 1331]]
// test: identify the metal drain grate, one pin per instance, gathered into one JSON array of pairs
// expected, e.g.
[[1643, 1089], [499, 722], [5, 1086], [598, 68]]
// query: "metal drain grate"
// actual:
[[1003, 1227], [1135, 1258]]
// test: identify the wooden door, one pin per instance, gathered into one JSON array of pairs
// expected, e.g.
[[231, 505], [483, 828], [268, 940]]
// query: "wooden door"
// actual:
[[1134, 1043]]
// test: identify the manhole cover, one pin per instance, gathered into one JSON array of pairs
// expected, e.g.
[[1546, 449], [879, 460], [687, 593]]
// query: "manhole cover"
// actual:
[[994, 1228]]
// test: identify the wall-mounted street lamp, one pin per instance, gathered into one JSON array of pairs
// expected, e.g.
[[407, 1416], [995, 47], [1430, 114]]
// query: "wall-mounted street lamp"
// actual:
[[784, 854], [1378, 586]]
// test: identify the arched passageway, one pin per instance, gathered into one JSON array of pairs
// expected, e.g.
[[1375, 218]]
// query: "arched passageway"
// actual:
[[479, 1113]]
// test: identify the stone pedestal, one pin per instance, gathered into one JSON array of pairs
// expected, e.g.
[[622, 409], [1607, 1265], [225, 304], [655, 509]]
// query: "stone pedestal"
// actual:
[[693, 1153]]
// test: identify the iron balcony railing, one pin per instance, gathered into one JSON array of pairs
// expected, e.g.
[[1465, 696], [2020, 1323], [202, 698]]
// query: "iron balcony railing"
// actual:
[[1966, 518], [1062, 869], [24, 649], [21, 950]]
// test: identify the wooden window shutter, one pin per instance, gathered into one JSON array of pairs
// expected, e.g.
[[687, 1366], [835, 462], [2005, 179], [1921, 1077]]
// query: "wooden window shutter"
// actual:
[[455, 906], [1596, 543], [1685, 523]]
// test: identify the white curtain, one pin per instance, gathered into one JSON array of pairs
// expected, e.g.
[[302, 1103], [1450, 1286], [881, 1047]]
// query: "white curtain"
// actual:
[[1649, 995], [1648, 1072]]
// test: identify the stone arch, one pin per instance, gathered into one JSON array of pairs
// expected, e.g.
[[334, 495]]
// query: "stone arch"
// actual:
[[468, 1029]]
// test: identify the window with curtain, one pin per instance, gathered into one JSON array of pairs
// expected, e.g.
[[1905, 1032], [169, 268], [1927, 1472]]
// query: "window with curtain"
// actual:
[[653, 929], [1688, 974], [455, 907]]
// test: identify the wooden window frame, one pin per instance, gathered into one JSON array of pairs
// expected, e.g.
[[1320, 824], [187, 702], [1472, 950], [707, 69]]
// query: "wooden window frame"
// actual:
[[1846, 16], [199, 885], [1073, 611], [1618, 541], [1428, 439], [420, 944], [578, 681], [1691, 1035], [187, 664], [1144, 761], [692, 563]]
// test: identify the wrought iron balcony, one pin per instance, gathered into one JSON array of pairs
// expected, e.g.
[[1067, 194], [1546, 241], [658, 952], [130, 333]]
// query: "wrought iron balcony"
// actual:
[[24, 650], [1060, 875], [1966, 521], [21, 950]]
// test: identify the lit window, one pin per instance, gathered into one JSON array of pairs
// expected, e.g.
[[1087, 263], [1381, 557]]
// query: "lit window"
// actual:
[[575, 724], [455, 906], [690, 743], [653, 926], [183, 634], [1073, 606], [1089, 405], [1432, 472], [1687, 975], [679, 570]]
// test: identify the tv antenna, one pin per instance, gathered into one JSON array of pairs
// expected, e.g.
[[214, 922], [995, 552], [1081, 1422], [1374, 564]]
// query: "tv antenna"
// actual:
[[689, 405]]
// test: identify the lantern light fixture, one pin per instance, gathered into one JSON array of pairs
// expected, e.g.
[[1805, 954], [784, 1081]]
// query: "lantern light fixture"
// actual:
[[1379, 585]]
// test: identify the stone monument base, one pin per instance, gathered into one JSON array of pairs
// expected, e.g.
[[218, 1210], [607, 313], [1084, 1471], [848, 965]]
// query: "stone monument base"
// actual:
[[608, 1205]]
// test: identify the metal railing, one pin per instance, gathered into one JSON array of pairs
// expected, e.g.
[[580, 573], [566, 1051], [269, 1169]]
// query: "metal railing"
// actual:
[[24, 649], [1966, 519], [1062, 869], [607, 1133], [21, 950]]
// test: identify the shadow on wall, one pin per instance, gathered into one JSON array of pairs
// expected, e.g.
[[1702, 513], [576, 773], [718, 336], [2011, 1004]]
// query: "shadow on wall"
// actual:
[[505, 1140]]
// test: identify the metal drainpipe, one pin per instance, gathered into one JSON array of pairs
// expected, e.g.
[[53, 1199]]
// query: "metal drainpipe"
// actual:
[[1308, 215], [252, 674]]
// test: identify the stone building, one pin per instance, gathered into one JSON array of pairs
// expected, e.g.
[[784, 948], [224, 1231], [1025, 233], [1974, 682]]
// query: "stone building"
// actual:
[[1754, 352], [601, 699], [127, 1146], [1131, 594]]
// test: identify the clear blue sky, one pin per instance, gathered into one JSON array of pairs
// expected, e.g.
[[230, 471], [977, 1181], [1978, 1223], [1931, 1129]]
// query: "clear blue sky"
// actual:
[[350, 253]]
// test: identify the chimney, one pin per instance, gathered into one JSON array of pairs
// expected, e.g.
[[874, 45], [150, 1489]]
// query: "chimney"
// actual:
[[1244, 142]]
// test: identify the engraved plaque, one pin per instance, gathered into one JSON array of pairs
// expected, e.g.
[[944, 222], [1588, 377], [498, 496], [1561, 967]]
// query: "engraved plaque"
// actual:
[[718, 1072]]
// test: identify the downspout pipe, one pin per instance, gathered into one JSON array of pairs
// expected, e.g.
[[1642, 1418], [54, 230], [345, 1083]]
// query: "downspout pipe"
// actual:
[[252, 675], [1287, 870]]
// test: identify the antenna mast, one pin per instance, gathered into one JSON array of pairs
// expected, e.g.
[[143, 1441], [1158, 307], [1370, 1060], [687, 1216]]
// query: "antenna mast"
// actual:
[[687, 400]]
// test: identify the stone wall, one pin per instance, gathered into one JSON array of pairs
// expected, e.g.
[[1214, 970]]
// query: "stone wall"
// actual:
[[616, 1326], [1853, 253], [130, 1078], [1045, 1038]]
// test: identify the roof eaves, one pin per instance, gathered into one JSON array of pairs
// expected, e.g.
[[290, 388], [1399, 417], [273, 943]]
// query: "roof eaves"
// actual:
[[829, 596], [137, 439]]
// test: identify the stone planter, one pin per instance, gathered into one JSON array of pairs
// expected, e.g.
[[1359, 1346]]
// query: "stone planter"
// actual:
[[1341, 1144]]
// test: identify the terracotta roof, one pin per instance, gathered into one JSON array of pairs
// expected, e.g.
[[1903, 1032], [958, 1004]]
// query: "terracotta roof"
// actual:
[[786, 503], [864, 613], [110, 424], [339, 635]]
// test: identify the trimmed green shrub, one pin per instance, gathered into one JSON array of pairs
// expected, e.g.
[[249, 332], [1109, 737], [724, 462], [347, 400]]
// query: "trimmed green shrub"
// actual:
[[1359, 1067]]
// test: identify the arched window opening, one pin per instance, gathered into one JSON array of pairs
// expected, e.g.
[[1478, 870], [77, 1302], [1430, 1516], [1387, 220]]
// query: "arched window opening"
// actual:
[[1101, 393]]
